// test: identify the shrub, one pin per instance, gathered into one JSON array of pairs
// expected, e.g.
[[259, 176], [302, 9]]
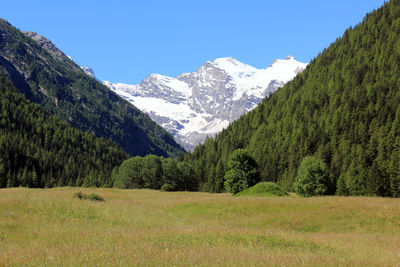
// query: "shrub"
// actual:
[[264, 189], [93, 197], [78, 195], [312, 178], [167, 187]]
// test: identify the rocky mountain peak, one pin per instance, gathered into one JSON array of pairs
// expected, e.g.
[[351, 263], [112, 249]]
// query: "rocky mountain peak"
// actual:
[[195, 105], [45, 43], [51, 48]]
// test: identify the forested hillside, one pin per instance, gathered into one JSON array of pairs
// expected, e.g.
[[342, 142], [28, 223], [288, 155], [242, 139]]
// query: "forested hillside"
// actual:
[[344, 108], [48, 77], [39, 150]]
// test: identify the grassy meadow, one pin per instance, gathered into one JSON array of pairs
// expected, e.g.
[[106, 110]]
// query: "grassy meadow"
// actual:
[[152, 228]]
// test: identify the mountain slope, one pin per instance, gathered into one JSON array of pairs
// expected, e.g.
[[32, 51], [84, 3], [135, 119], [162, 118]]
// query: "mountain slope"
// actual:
[[47, 76], [344, 108], [195, 105], [39, 150]]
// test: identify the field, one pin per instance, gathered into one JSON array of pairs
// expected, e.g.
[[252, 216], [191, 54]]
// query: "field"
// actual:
[[151, 228]]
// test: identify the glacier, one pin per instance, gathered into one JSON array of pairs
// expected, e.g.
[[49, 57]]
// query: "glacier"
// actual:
[[195, 105]]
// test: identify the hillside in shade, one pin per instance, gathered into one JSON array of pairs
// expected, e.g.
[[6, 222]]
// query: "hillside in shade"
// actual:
[[45, 75], [344, 108], [39, 150]]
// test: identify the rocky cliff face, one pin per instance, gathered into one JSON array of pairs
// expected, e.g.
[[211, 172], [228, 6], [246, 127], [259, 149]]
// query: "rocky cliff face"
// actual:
[[51, 48], [195, 105]]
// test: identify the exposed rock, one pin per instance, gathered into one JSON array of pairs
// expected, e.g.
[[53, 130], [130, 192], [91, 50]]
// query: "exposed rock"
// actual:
[[200, 104]]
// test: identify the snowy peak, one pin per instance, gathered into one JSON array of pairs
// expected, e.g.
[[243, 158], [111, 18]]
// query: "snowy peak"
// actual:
[[89, 71], [233, 67], [289, 64], [195, 105], [283, 69]]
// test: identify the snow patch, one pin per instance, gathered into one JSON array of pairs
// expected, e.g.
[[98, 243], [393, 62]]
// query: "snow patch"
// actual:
[[203, 103]]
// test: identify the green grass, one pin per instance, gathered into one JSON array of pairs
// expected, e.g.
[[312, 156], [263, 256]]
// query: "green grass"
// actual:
[[50, 227], [265, 189]]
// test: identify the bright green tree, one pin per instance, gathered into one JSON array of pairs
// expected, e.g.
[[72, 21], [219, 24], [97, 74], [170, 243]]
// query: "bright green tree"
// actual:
[[171, 174], [242, 172], [130, 173], [312, 178], [189, 181], [152, 172]]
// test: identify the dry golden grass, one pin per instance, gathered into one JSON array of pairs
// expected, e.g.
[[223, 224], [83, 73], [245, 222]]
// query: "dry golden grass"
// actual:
[[151, 228]]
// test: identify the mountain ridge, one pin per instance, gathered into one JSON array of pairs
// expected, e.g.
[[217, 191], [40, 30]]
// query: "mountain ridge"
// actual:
[[45, 75]]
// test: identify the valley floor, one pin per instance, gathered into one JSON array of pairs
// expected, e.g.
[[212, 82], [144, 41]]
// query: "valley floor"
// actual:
[[152, 228]]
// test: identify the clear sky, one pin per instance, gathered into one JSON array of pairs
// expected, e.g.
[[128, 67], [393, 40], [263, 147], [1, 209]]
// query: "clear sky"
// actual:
[[124, 41]]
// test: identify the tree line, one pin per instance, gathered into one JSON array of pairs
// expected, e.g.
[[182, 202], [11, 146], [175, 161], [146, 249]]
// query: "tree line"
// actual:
[[155, 172]]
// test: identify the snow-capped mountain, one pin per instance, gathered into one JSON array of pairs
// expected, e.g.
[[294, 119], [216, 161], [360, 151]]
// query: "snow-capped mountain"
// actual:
[[195, 105]]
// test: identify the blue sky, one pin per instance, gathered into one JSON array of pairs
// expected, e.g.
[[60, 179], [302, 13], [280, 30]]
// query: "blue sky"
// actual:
[[124, 41]]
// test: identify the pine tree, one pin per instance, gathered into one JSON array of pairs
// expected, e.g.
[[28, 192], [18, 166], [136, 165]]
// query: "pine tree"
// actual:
[[35, 182]]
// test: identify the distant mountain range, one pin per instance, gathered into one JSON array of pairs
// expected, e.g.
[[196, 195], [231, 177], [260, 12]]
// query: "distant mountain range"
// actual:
[[195, 105]]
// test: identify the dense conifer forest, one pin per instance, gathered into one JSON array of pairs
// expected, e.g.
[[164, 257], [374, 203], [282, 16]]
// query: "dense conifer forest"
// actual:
[[39, 150], [62, 88], [344, 109]]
